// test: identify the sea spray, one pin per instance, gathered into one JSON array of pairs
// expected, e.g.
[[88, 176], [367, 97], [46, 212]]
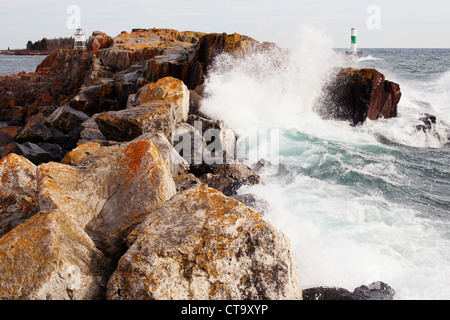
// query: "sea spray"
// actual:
[[359, 204]]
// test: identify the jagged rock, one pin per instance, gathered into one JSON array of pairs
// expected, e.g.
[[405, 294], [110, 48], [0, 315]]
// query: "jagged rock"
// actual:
[[126, 84], [220, 139], [96, 98], [67, 119], [5, 138], [11, 130], [155, 107], [89, 131], [54, 149], [229, 177], [374, 291], [170, 90], [189, 143], [50, 257], [428, 121], [177, 165], [259, 205], [128, 124], [98, 40], [105, 190], [28, 150], [357, 94], [55, 81], [202, 245], [35, 132], [18, 192], [186, 181]]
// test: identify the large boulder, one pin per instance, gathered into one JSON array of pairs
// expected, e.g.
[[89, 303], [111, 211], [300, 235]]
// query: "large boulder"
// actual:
[[203, 245], [128, 124], [168, 89], [18, 192], [106, 190], [177, 165], [49, 257], [358, 94]]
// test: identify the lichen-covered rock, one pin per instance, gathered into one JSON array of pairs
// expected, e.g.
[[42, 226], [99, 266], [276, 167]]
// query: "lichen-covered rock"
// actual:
[[50, 257], [106, 190], [177, 165], [203, 245], [128, 124], [168, 89], [18, 192]]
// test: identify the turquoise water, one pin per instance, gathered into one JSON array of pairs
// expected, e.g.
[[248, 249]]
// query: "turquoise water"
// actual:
[[359, 204]]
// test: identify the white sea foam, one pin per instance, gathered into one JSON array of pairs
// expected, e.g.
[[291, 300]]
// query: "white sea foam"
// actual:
[[342, 234], [369, 58]]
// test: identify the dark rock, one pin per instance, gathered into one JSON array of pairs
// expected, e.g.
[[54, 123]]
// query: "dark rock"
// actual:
[[189, 143], [28, 150], [374, 291], [12, 130], [428, 121], [186, 181], [126, 84], [258, 204], [5, 138], [220, 139], [90, 131], [57, 136], [229, 177], [67, 119], [36, 132], [54, 149], [265, 167], [357, 94], [96, 98]]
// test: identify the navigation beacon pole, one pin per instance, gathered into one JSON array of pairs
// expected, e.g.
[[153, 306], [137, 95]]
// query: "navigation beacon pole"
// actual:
[[353, 50]]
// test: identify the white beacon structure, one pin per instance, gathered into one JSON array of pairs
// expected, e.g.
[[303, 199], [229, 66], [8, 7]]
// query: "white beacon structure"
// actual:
[[80, 41], [353, 50]]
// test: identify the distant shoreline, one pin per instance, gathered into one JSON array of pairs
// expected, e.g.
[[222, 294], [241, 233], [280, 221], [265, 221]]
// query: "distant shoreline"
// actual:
[[24, 52]]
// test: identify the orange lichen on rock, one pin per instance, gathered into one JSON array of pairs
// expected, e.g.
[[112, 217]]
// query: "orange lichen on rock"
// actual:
[[198, 240], [18, 192], [169, 89], [50, 257]]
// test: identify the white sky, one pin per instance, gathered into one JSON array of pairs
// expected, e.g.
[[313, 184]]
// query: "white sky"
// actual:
[[402, 24]]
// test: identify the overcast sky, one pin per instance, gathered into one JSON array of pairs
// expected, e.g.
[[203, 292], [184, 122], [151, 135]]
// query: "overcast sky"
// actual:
[[380, 23]]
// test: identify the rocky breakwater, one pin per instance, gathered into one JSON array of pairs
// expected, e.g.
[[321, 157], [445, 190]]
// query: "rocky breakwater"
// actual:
[[115, 186], [84, 227], [358, 94]]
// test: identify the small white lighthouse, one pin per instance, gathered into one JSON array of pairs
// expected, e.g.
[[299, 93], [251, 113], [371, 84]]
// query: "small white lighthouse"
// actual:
[[353, 50], [80, 41]]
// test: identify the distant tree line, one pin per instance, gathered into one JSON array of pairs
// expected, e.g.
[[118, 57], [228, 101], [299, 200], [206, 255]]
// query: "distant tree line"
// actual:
[[51, 44]]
